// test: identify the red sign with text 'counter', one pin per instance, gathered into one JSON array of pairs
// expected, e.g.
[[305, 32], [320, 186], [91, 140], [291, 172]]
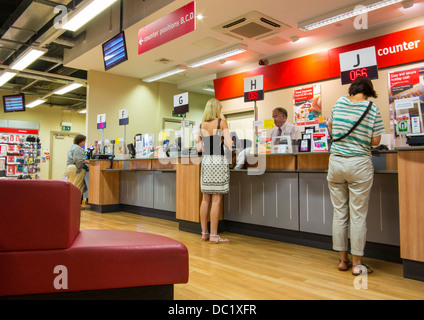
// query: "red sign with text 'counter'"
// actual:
[[167, 28], [393, 49]]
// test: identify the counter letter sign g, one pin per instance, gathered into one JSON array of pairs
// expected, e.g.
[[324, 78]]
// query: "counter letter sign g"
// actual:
[[61, 281]]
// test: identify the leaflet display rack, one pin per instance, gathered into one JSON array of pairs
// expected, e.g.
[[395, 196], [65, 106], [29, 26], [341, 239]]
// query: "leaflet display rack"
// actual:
[[19, 156]]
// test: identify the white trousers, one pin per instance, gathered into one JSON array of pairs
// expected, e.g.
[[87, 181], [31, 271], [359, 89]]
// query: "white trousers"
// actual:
[[350, 180]]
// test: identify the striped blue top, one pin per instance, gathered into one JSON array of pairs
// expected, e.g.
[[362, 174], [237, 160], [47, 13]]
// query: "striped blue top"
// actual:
[[344, 116]]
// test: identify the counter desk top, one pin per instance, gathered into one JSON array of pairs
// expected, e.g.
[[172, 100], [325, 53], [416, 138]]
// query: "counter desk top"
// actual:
[[385, 161]]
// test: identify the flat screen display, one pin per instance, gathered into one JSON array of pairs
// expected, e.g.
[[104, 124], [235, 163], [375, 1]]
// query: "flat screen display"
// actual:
[[15, 103], [115, 51]]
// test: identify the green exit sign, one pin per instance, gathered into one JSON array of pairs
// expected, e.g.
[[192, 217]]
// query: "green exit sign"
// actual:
[[66, 128], [176, 115]]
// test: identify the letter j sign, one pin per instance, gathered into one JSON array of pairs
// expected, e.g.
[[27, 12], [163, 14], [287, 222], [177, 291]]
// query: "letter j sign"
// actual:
[[358, 63]]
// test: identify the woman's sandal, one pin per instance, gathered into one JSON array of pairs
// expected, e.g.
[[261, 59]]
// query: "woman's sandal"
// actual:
[[218, 239], [361, 267], [346, 265], [205, 236]]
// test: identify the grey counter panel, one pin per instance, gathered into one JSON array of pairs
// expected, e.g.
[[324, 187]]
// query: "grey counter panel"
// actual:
[[383, 211], [270, 199], [136, 188], [316, 209], [165, 191], [149, 189]]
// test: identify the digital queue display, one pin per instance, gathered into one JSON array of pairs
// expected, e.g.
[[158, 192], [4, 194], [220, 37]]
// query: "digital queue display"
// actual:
[[115, 51], [350, 75], [15, 103]]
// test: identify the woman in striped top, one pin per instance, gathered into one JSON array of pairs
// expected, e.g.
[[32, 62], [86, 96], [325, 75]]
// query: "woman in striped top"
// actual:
[[350, 173]]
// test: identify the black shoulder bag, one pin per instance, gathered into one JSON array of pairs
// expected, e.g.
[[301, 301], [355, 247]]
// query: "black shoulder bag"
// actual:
[[356, 124]]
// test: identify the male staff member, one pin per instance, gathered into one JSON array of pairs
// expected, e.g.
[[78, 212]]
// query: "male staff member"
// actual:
[[283, 127]]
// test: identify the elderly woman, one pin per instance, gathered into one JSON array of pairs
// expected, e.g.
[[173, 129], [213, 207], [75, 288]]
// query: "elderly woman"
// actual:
[[76, 163]]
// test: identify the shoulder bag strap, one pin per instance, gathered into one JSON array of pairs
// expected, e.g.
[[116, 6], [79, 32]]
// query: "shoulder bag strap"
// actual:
[[356, 124]]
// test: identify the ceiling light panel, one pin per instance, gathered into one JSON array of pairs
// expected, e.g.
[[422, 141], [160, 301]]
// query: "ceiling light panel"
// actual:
[[165, 74], [27, 57], [232, 51], [67, 88], [35, 103], [82, 15], [361, 8]]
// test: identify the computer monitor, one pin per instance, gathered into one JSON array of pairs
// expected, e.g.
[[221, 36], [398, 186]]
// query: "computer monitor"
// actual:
[[131, 150]]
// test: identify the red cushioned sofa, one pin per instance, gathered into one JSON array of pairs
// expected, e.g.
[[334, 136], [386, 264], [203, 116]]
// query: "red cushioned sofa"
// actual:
[[45, 255]]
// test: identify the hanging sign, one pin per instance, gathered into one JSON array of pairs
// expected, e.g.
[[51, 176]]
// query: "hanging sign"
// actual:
[[123, 117], [167, 28], [254, 88], [101, 121], [181, 104], [358, 63]]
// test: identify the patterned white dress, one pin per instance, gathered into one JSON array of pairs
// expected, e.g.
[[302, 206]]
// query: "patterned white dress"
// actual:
[[215, 171]]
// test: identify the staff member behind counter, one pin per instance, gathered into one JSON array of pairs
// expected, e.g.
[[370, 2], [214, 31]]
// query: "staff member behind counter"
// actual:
[[283, 127]]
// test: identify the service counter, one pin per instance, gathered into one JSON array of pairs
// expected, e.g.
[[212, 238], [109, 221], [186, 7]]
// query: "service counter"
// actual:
[[411, 210], [284, 197]]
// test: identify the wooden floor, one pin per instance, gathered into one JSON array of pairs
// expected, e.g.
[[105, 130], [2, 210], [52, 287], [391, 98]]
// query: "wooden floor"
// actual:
[[251, 268]]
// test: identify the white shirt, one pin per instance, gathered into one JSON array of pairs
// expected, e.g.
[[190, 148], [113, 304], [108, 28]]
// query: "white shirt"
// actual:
[[287, 129]]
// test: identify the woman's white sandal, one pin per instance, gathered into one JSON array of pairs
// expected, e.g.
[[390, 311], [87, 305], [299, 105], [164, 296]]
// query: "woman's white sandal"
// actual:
[[218, 240], [205, 236]]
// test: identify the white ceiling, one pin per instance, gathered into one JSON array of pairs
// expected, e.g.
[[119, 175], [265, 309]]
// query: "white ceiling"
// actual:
[[205, 39]]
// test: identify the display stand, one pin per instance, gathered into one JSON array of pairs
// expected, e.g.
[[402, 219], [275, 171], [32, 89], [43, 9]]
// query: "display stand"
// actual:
[[19, 157]]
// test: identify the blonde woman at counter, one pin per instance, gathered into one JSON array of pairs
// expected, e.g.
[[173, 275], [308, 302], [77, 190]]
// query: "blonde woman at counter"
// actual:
[[215, 172], [351, 173]]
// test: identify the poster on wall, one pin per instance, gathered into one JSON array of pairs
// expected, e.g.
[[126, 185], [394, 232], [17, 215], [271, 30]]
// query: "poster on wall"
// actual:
[[307, 105], [406, 98]]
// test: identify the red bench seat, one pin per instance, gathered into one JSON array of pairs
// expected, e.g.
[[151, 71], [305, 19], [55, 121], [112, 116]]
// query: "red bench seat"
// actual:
[[94, 260]]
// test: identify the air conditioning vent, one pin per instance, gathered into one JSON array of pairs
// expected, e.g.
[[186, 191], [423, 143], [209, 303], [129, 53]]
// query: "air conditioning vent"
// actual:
[[273, 24], [232, 24], [251, 26]]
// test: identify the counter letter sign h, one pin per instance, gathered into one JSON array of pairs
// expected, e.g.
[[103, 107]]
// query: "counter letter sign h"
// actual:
[[254, 89]]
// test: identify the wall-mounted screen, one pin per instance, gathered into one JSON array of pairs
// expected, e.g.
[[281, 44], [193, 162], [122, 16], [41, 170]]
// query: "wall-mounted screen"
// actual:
[[15, 103], [115, 51]]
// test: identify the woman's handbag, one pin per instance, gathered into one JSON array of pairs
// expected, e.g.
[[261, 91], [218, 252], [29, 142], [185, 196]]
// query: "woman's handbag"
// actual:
[[356, 124]]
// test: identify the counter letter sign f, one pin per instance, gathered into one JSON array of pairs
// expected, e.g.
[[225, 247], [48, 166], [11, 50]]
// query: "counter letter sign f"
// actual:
[[61, 281]]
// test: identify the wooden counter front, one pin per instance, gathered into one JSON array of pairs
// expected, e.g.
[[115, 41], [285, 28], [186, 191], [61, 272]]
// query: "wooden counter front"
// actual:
[[104, 186], [411, 205], [313, 161], [189, 195]]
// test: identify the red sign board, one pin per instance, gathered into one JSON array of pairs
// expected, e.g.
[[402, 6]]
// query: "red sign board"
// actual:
[[167, 28], [396, 48], [303, 94], [20, 131]]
